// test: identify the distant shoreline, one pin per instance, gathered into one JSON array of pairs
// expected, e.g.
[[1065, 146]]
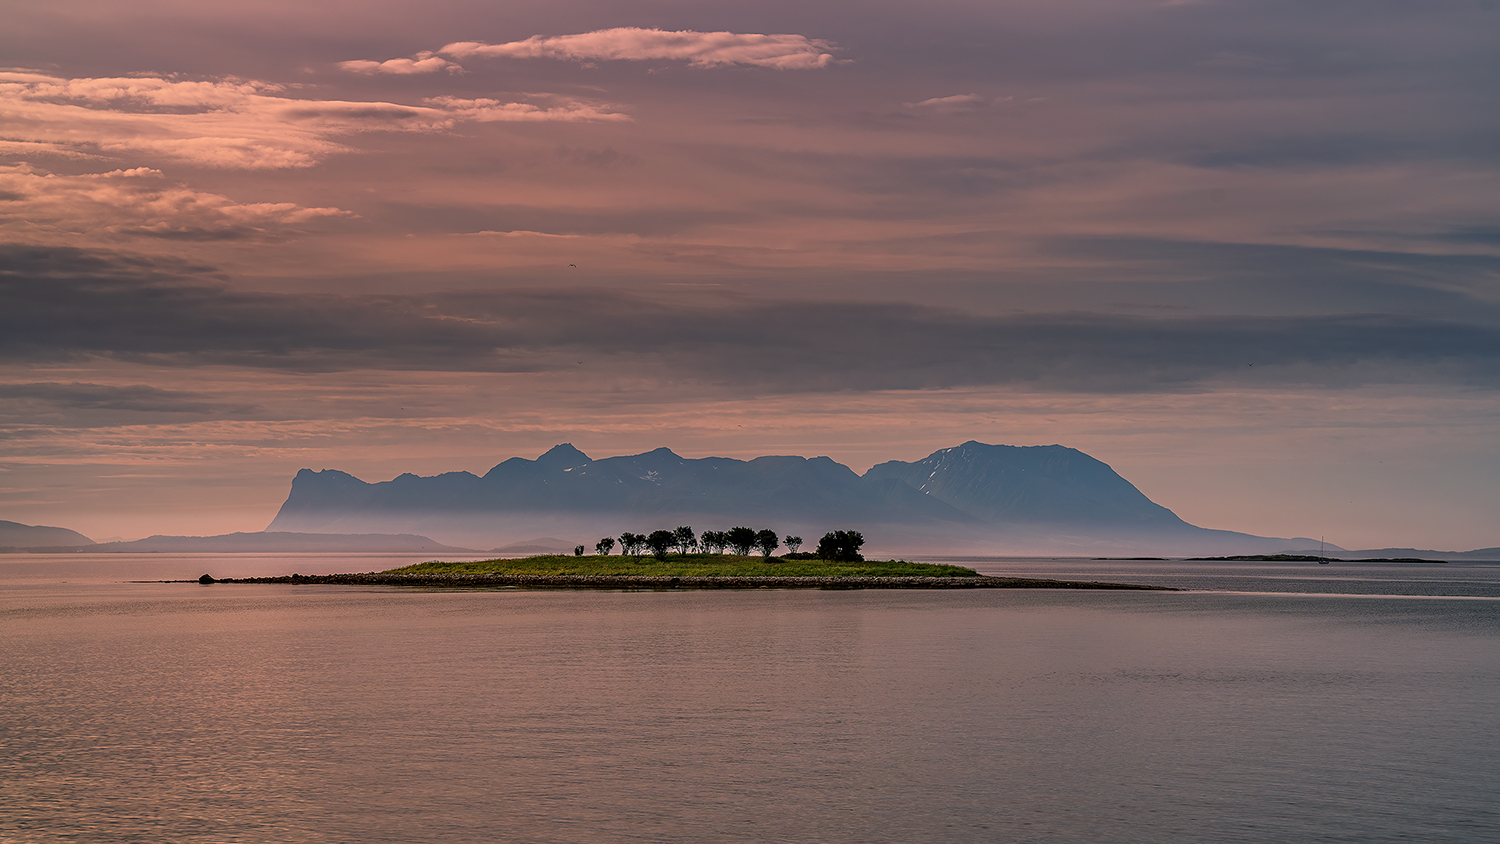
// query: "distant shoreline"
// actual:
[[649, 582]]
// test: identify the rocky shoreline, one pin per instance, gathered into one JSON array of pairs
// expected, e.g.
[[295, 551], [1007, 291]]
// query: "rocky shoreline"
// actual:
[[537, 581]]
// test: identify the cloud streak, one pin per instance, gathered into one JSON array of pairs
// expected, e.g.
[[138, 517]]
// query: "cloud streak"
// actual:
[[423, 62], [139, 202], [229, 123], [626, 43], [629, 43], [485, 110]]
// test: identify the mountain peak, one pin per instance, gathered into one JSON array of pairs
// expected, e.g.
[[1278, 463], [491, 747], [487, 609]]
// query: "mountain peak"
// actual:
[[323, 474], [563, 456], [1036, 484], [976, 445], [325, 479]]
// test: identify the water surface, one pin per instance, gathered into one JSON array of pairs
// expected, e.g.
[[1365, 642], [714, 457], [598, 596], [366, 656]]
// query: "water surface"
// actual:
[[243, 713]]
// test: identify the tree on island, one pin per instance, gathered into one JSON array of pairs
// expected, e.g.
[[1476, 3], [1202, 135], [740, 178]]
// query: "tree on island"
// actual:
[[842, 546], [766, 541], [684, 539], [660, 542], [740, 540], [713, 541], [631, 544]]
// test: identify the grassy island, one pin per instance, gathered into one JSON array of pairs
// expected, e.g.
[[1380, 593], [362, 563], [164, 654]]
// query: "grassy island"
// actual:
[[686, 565], [680, 571]]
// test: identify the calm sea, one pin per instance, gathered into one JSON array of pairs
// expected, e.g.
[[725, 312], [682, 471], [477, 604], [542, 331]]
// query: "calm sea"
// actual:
[[1280, 703]]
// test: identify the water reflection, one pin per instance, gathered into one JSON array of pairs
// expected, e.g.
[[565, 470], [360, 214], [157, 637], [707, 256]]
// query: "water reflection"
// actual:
[[157, 712]]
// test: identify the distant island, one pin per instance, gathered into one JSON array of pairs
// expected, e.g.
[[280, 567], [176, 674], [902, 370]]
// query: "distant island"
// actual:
[[682, 571], [1307, 558], [689, 565], [676, 561]]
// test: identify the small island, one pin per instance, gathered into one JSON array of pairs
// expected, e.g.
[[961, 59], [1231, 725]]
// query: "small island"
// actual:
[[685, 571], [690, 565], [675, 562]]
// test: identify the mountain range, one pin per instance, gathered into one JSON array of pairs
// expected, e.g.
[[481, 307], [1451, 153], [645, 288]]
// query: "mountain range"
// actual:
[[972, 498], [17, 535]]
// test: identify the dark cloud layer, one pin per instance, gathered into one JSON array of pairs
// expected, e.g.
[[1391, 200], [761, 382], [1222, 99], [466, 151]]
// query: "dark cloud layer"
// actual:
[[67, 305], [135, 397], [1283, 279], [113, 307]]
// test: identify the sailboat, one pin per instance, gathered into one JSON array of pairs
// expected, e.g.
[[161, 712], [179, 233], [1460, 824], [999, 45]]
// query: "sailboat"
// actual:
[[1322, 558]]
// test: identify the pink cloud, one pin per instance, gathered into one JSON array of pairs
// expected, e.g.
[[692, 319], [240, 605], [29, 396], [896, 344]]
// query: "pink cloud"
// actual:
[[957, 102], [703, 49], [423, 62], [137, 202], [226, 123], [491, 111]]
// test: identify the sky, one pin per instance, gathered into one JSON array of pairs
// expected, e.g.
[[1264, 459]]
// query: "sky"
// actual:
[[1247, 252]]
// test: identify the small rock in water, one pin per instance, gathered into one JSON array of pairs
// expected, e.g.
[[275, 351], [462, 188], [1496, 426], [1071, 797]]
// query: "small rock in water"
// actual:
[[206, 579]]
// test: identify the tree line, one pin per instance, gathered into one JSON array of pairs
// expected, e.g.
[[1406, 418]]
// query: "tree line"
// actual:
[[843, 545]]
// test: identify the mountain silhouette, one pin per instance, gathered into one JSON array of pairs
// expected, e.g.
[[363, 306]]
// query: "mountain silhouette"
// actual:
[[17, 535], [1044, 483], [973, 497]]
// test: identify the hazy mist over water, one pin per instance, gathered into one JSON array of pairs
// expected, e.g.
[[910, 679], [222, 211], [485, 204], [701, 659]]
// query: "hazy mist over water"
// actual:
[[245, 713]]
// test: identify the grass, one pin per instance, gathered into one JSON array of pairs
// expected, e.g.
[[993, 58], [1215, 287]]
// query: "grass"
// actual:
[[688, 565]]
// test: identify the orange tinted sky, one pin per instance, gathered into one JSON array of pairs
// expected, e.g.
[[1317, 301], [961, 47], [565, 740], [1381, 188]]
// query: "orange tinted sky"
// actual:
[[1246, 253]]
